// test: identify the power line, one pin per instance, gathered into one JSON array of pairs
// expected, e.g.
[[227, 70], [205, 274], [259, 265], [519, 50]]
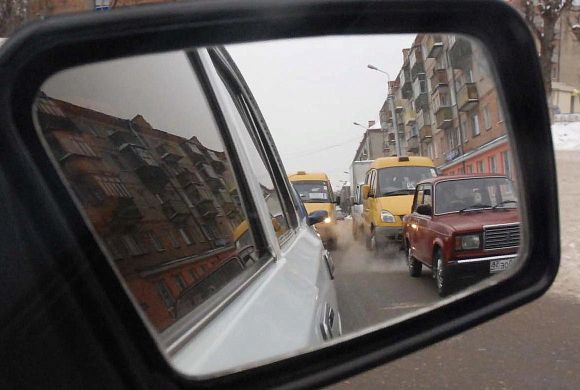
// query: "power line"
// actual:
[[304, 153]]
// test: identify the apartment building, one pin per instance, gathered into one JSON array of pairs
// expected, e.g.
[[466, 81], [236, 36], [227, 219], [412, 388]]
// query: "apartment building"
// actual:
[[165, 207], [447, 107], [374, 144]]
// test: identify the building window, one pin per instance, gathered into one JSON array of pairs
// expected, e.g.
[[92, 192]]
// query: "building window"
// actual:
[[112, 186], [470, 168], [506, 164], [135, 248], [174, 238], [430, 151], [209, 231], [181, 284], [450, 140], [475, 124], [499, 111], [492, 165], [480, 167], [164, 293], [157, 244], [186, 237], [486, 118], [463, 134]]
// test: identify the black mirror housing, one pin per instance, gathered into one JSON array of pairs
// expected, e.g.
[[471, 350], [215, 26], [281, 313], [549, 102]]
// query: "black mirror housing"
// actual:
[[89, 301], [317, 216]]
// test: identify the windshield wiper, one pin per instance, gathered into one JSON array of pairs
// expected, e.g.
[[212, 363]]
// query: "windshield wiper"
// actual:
[[504, 202], [475, 206], [403, 191]]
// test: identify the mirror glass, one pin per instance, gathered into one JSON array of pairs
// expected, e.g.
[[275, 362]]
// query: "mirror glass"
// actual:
[[399, 142]]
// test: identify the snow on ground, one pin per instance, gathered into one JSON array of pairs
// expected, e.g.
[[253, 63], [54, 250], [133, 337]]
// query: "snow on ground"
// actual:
[[566, 135], [567, 164]]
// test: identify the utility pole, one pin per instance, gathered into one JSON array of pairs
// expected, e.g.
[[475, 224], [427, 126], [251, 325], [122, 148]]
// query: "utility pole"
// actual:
[[391, 105]]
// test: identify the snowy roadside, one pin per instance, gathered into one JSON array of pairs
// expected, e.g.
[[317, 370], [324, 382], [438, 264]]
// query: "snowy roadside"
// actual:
[[566, 137]]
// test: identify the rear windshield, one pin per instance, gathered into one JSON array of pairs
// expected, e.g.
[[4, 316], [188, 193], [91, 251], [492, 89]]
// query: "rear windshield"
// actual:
[[478, 193], [313, 191], [402, 180]]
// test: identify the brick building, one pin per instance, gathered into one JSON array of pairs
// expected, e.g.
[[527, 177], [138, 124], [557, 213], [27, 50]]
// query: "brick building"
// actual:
[[165, 207], [446, 107]]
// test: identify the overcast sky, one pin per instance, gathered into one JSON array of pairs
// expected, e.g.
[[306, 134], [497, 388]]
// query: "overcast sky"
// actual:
[[311, 90]]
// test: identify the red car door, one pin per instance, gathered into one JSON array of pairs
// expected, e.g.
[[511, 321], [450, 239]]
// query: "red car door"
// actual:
[[425, 232], [412, 223]]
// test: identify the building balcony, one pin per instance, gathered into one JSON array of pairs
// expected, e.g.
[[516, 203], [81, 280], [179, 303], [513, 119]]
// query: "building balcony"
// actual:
[[169, 154], [460, 52], [141, 161], [439, 79], [406, 83], [422, 101], [423, 121], [198, 195], [207, 210], [417, 69], [444, 117], [413, 144], [216, 162], [398, 105], [175, 210], [230, 207], [467, 97], [194, 152], [49, 122], [410, 115], [434, 45], [121, 137], [416, 62], [75, 165], [126, 213], [187, 178]]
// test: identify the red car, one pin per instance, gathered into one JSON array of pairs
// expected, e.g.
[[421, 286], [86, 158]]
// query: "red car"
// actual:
[[462, 226]]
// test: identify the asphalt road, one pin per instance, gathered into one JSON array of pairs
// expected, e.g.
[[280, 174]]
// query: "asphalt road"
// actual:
[[372, 290], [534, 347]]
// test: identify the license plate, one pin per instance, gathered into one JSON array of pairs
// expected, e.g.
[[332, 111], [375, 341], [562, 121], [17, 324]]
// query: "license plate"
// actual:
[[499, 265]]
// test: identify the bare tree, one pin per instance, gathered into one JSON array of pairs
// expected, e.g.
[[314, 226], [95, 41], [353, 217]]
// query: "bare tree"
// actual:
[[542, 16], [12, 14]]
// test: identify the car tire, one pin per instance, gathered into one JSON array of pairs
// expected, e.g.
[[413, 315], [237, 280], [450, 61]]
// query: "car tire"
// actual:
[[441, 275], [414, 265]]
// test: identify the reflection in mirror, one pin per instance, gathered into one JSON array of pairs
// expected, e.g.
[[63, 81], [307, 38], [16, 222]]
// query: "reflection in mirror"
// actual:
[[222, 263]]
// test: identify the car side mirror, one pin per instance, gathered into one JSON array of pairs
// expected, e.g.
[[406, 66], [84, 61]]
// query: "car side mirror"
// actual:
[[424, 209], [317, 216], [365, 190], [132, 224]]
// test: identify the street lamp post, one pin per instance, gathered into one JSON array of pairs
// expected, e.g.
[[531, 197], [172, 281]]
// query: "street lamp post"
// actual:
[[391, 105]]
